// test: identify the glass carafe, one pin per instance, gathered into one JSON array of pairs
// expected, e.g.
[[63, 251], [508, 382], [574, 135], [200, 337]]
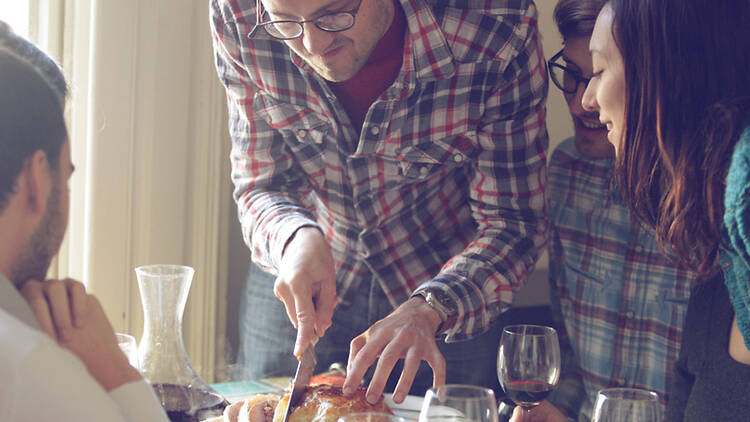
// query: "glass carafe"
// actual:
[[164, 362]]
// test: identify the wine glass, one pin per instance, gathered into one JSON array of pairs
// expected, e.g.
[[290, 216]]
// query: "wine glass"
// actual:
[[459, 403], [626, 405], [370, 417], [528, 363]]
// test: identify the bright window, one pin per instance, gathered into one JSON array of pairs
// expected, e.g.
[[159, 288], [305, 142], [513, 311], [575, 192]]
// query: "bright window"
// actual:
[[16, 14]]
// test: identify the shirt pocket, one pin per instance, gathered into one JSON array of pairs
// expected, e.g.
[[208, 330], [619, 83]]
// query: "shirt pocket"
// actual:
[[304, 132], [422, 161]]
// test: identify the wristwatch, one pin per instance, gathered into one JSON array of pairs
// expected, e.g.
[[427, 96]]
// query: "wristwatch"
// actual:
[[442, 303]]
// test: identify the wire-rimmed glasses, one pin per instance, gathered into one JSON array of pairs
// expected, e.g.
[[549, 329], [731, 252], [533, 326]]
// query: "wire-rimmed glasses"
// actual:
[[565, 78], [286, 29]]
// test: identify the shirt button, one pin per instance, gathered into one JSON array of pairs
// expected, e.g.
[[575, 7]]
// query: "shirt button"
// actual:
[[622, 382], [629, 314], [301, 133], [458, 158], [423, 170], [374, 130]]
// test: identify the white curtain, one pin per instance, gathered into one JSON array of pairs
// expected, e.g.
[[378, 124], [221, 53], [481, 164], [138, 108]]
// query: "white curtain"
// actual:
[[147, 124]]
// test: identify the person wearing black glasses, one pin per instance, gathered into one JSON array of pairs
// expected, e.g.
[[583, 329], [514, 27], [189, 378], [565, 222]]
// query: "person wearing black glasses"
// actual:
[[389, 162], [618, 302]]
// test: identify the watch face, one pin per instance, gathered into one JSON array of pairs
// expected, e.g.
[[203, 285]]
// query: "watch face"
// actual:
[[445, 301]]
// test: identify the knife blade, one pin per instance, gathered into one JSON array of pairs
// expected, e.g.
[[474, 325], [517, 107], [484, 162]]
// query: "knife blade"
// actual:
[[305, 369]]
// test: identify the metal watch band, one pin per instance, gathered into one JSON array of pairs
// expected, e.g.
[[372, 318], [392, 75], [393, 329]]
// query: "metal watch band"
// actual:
[[440, 302]]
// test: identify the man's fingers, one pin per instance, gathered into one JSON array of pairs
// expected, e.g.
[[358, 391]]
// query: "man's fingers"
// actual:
[[405, 381], [326, 303], [57, 297], [77, 295], [33, 292], [305, 323], [361, 362], [354, 347], [282, 292], [437, 362], [388, 358]]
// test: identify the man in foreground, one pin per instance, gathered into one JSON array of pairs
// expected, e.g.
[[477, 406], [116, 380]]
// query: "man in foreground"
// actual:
[[60, 357]]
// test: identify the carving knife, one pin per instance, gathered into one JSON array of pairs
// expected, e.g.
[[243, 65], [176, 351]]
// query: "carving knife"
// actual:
[[305, 369]]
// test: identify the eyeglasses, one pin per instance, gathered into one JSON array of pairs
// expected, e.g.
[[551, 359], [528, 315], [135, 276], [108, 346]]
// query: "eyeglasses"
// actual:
[[565, 78], [290, 29]]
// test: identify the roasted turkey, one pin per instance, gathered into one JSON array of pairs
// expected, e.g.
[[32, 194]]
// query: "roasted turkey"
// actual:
[[320, 403]]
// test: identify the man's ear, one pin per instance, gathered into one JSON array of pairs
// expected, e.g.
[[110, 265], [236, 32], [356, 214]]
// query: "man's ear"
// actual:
[[35, 182]]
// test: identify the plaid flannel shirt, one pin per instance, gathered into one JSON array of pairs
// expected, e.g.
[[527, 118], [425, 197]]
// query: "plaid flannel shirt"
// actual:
[[622, 301], [445, 184]]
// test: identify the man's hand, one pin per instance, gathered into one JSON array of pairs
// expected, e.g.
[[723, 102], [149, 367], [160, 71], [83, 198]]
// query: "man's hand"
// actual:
[[59, 305], [307, 285], [91, 337], [408, 333], [544, 412]]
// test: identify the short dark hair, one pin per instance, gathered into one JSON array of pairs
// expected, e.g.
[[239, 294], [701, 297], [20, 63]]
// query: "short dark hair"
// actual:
[[687, 85], [577, 17], [43, 63], [31, 119]]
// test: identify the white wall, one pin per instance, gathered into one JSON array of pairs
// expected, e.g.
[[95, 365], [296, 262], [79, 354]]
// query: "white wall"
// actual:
[[536, 292]]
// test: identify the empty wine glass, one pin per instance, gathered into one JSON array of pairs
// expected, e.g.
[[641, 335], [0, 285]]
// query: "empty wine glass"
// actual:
[[459, 403], [626, 405], [528, 363], [370, 417]]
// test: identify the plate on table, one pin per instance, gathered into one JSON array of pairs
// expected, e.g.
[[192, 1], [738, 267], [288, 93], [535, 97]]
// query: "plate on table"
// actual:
[[410, 407]]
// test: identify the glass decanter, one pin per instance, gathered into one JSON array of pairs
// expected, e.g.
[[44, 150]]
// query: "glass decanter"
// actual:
[[161, 351]]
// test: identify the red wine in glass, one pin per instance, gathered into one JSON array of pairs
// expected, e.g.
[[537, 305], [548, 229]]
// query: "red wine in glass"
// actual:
[[528, 393], [528, 363]]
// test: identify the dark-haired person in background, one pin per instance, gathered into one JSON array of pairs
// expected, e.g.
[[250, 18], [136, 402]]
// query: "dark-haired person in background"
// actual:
[[60, 359], [618, 301], [672, 83]]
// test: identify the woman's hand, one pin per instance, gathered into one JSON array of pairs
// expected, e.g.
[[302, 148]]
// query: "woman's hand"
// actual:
[[544, 412]]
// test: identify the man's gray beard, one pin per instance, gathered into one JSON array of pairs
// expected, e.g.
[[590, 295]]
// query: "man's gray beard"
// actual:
[[34, 261]]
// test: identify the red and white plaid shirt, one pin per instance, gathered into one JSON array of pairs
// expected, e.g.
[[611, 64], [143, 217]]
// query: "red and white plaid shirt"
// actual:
[[444, 187]]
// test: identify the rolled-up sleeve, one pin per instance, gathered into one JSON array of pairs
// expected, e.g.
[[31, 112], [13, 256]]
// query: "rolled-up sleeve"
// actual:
[[268, 185], [506, 194]]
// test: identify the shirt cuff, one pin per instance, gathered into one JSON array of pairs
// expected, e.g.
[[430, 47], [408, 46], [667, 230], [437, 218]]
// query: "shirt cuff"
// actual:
[[467, 300]]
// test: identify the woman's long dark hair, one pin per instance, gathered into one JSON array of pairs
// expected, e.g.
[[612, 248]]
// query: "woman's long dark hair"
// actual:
[[687, 76]]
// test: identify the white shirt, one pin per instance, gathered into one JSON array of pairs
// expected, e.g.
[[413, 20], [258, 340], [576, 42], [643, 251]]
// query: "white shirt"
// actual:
[[40, 381]]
